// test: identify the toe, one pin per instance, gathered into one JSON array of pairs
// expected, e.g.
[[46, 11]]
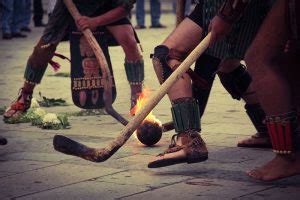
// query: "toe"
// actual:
[[255, 174]]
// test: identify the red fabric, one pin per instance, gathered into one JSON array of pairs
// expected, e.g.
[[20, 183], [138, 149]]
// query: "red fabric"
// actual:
[[55, 65], [270, 134], [18, 106], [280, 134], [62, 56], [288, 136], [274, 136]]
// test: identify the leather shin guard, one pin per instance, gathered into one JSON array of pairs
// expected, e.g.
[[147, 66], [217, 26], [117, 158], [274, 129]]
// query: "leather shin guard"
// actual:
[[160, 63], [185, 113], [282, 131], [236, 82], [135, 72]]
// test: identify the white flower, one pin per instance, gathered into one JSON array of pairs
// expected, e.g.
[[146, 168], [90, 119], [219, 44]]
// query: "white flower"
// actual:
[[34, 103], [40, 112], [51, 118]]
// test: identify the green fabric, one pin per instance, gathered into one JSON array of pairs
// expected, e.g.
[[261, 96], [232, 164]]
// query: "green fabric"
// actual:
[[186, 116], [34, 75], [135, 71]]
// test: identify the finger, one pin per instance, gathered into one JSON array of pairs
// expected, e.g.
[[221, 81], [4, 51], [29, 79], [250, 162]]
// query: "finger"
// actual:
[[79, 20], [85, 26]]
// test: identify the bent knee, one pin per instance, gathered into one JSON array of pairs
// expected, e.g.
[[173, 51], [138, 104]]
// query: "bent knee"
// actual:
[[128, 42]]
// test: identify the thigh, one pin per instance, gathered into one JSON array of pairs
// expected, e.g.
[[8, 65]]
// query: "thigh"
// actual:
[[122, 33], [185, 37], [272, 37]]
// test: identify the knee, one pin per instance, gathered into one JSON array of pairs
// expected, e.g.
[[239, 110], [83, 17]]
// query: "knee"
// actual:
[[236, 82], [129, 43], [255, 62], [160, 59]]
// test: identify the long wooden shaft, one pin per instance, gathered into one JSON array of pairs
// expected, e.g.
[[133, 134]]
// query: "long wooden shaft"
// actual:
[[159, 94]]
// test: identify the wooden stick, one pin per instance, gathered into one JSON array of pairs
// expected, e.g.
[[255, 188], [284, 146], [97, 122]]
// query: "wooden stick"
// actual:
[[71, 147], [107, 83]]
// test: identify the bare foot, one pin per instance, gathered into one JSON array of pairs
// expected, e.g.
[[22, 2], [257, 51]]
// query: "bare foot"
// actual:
[[282, 166], [256, 142]]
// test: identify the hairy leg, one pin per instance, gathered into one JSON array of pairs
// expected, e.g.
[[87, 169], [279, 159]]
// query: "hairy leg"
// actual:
[[272, 87]]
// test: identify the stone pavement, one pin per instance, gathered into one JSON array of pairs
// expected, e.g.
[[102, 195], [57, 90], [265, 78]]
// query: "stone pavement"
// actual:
[[31, 169]]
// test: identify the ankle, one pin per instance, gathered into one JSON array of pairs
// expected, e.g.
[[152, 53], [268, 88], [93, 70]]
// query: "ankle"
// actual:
[[136, 88]]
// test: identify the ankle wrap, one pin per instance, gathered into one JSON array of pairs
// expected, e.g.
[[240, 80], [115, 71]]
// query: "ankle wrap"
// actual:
[[33, 76], [282, 131], [185, 113], [135, 72], [257, 116]]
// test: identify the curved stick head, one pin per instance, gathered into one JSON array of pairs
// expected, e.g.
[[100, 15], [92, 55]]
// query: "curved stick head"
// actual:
[[68, 146]]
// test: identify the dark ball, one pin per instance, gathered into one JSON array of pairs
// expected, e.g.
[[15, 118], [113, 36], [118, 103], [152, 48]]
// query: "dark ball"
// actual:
[[3, 141], [149, 133]]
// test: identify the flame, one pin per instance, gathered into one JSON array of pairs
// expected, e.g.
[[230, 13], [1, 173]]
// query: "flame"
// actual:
[[141, 101]]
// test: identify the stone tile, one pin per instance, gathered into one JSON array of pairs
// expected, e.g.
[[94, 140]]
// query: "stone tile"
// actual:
[[200, 189], [35, 156], [145, 178], [274, 193], [20, 166], [88, 190], [49, 177], [3, 174]]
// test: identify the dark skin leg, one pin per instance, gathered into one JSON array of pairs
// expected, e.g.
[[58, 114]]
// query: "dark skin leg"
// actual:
[[249, 97], [125, 36], [272, 87], [38, 60]]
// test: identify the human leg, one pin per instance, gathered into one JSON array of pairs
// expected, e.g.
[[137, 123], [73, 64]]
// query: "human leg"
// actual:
[[7, 13], [134, 63], [38, 61], [140, 13], [187, 145], [237, 81], [155, 11], [274, 93], [26, 16], [17, 19], [38, 13]]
